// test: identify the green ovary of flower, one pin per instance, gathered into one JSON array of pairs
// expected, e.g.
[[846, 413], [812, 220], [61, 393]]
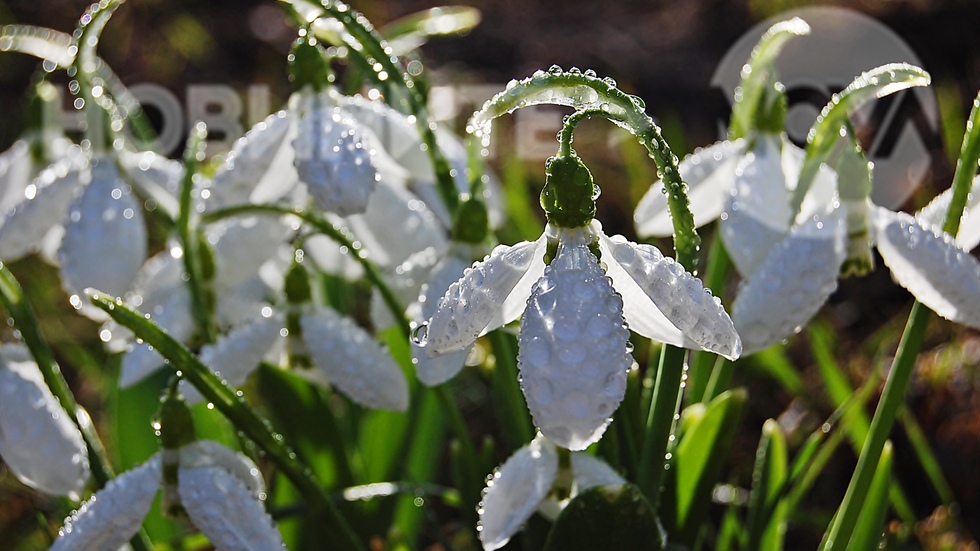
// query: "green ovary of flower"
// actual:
[[569, 193]]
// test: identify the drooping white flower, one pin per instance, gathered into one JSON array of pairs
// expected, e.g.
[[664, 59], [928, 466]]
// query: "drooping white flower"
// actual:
[[247, 266], [797, 273], [220, 490], [342, 354], [86, 209], [570, 301], [38, 441], [527, 482]]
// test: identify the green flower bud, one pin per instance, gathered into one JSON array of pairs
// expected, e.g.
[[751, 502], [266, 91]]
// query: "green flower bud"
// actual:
[[471, 223], [308, 65]]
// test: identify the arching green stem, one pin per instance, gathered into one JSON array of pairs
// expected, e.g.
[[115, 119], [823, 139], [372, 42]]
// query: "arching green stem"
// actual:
[[876, 83], [586, 92], [759, 78]]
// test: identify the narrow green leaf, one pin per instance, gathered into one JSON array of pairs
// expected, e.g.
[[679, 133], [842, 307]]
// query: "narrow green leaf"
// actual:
[[870, 525], [767, 515], [698, 461], [408, 33], [731, 532], [606, 517]]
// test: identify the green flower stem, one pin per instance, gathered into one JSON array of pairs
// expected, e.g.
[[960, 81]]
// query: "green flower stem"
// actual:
[[893, 395], [84, 71], [189, 237], [15, 303], [586, 92], [514, 417], [825, 132], [363, 41], [340, 235], [721, 373], [660, 422], [186, 364]]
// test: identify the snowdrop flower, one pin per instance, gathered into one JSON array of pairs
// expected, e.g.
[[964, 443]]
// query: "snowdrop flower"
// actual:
[[89, 206], [220, 491], [797, 275], [248, 268], [535, 479], [326, 348], [38, 441], [577, 289]]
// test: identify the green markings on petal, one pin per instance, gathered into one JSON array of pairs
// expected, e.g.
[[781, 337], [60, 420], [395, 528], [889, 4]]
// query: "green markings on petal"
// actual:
[[825, 132], [760, 103]]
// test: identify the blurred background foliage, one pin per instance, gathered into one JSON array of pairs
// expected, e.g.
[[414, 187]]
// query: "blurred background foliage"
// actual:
[[663, 51]]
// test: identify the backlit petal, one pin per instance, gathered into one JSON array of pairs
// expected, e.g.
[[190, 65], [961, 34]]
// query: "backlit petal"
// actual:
[[334, 160], [515, 491], [791, 285], [968, 236], [24, 228], [208, 453], [38, 441], [476, 300], [237, 354], [105, 237], [155, 176], [662, 301], [573, 356], [758, 213], [259, 167], [930, 265], [224, 511], [241, 245], [591, 471], [114, 514], [349, 358], [709, 174]]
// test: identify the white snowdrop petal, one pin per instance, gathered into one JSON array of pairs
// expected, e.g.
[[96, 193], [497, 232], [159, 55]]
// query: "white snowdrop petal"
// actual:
[[16, 168], [114, 514], [514, 491], [930, 265], [38, 441], [652, 283], [224, 511], [757, 215], [332, 258], [241, 245], [590, 471], [208, 453], [709, 174], [333, 159], [24, 228], [105, 238], [395, 226], [237, 354], [349, 358], [932, 215], [573, 357], [259, 167], [436, 370], [791, 285], [822, 195], [475, 300], [139, 362], [156, 177], [173, 315]]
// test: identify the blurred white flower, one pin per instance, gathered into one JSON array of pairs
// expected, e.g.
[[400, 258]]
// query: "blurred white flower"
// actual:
[[534, 480], [38, 440], [220, 490], [574, 351]]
